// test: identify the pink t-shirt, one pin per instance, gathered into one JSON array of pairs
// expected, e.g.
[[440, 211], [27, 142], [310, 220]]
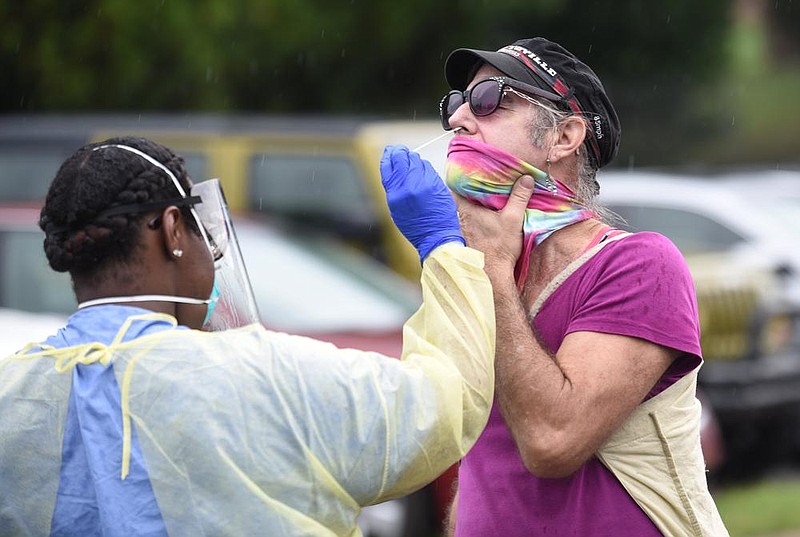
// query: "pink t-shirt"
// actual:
[[637, 286]]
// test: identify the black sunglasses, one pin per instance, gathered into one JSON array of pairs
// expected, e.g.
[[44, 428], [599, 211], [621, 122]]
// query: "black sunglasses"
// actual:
[[485, 96]]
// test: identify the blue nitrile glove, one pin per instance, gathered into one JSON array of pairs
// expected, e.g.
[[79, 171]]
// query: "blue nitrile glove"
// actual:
[[420, 203]]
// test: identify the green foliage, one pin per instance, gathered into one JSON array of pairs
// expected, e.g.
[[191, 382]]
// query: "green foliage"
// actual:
[[658, 60], [314, 55]]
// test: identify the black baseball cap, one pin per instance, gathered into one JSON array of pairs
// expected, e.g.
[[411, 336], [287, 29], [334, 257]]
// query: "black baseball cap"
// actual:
[[549, 66]]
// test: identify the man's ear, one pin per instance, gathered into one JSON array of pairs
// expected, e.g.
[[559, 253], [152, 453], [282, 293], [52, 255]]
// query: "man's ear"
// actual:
[[571, 134]]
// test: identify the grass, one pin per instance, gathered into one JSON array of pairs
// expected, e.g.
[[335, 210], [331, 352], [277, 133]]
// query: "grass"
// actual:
[[760, 509]]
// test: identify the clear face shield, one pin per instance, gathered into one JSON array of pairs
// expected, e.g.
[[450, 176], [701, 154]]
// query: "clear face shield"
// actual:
[[232, 303]]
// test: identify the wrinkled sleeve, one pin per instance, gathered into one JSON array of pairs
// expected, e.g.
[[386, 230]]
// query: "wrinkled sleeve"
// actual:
[[448, 370], [249, 428], [384, 427], [643, 290]]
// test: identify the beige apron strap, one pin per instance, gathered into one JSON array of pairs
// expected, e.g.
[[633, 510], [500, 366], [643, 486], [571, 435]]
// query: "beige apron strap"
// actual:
[[562, 276], [643, 455]]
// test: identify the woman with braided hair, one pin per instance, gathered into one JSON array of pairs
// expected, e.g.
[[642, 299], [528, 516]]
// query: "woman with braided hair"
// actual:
[[132, 420], [87, 236]]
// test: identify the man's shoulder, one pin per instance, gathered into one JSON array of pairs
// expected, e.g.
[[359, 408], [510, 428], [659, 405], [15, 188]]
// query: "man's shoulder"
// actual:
[[644, 245], [650, 239], [638, 254]]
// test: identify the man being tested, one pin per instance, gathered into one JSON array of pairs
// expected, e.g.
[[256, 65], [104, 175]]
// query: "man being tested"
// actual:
[[131, 421], [595, 427]]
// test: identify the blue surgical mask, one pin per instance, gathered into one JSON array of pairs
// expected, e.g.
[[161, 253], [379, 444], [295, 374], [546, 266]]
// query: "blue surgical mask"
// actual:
[[212, 301]]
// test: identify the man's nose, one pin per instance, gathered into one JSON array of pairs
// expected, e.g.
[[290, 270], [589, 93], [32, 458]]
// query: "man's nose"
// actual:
[[463, 119]]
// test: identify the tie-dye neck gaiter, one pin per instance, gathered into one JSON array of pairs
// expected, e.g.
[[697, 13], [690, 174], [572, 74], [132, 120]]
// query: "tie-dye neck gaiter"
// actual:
[[485, 174]]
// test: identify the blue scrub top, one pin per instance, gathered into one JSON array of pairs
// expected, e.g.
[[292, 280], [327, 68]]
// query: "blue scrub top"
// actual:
[[92, 500]]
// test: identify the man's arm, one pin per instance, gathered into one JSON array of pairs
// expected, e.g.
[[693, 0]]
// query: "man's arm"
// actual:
[[560, 409]]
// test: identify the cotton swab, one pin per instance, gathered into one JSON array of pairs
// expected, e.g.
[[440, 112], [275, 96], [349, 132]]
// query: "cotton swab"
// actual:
[[429, 142]]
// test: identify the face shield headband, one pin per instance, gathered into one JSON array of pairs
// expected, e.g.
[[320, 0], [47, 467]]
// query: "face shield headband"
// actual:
[[231, 303], [184, 200]]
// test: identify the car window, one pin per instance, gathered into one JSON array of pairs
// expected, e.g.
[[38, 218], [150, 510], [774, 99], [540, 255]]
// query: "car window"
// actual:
[[303, 288], [317, 188], [27, 171], [26, 280], [691, 232], [299, 286], [196, 165]]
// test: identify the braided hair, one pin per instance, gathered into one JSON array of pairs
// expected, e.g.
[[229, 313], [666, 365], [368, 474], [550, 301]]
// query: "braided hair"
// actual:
[[78, 238]]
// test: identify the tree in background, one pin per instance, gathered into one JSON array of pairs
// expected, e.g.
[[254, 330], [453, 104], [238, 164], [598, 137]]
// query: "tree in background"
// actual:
[[364, 57], [250, 55], [652, 58]]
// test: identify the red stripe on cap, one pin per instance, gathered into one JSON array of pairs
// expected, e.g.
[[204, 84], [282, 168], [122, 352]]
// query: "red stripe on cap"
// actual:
[[558, 86], [554, 82]]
